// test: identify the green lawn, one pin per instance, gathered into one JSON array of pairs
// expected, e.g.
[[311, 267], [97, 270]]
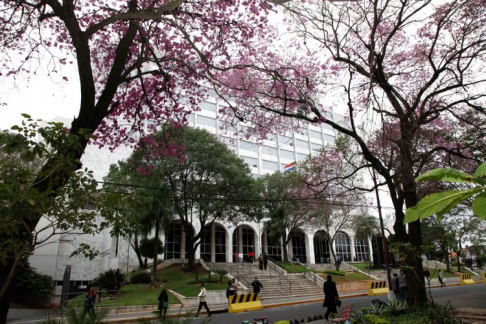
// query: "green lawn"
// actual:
[[172, 278], [350, 276], [364, 267], [293, 268], [338, 276]]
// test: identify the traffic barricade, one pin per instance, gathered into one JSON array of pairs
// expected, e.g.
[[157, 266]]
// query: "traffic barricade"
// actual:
[[377, 288], [244, 302], [466, 279]]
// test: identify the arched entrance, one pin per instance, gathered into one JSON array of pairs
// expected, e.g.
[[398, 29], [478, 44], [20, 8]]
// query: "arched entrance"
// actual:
[[244, 240], [361, 248], [322, 251], [272, 245], [298, 246], [219, 243], [343, 248], [176, 241]]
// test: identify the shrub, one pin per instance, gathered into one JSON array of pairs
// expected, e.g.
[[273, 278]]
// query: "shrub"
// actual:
[[111, 279], [396, 307], [376, 319], [335, 273], [221, 273], [141, 277], [28, 280]]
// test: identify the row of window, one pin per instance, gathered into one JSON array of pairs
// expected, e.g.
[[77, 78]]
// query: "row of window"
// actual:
[[243, 240]]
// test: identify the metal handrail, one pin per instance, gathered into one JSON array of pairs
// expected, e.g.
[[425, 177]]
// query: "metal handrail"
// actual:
[[209, 264]]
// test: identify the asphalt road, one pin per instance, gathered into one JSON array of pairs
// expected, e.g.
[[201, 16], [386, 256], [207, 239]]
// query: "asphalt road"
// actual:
[[473, 296]]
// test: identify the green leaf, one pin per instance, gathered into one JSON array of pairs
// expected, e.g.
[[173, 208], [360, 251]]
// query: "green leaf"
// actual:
[[449, 175], [438, 203], [479, 206], [481, 170]]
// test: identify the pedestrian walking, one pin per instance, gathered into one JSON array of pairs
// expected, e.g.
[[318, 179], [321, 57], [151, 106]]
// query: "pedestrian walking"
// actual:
[[251, 255], [265, 260], [89, 302], [240, 257], [403, 286], [440, 275], [235, 256], [330, 296], [230, 291], [260, 262], [163, 303], [257, 285], [427, 275], [202, 301], [396, 286]]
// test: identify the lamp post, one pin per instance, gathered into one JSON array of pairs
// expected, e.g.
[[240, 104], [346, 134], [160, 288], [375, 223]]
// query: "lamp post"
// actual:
[[236, 220]]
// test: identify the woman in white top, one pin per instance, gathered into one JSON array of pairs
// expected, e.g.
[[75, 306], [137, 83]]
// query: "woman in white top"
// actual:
[[202, 301]]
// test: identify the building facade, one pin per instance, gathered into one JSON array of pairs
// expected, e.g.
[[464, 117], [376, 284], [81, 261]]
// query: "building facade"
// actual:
[[221, 239]]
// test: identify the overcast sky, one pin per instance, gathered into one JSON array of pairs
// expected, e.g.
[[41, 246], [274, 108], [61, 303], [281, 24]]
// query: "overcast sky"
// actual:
[[41, 97]]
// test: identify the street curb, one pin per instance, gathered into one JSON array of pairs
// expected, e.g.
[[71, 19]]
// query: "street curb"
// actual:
[[298, 302]]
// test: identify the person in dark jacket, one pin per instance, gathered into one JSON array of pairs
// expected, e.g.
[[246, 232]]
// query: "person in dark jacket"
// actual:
[[260, 262], [256, 286], [230, 289], [265, 260], [89, 302], [330, 296], [163, 303]]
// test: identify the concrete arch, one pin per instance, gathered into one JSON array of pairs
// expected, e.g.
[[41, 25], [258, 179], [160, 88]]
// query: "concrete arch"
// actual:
[[175, 240], [322, 247], [342, 245], [245, 238], [299, 246], [214, 243]]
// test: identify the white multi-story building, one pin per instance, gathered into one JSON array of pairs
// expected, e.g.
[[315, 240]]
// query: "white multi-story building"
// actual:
[[221, 239]]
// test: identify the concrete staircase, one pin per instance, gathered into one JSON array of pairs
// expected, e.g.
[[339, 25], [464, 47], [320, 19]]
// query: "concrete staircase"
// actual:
[[277, 284]]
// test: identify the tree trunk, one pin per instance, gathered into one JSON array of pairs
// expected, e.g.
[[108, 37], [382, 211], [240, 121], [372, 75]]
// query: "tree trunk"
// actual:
[[191, 253], [333, 253], [5, 300], [136, 248], [415, 273], [155, 255], [447, 261], [459, 260], [286, 254]]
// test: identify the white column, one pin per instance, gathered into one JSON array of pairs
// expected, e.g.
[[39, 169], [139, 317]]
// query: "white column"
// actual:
[[213, 242], [265, 240], [183, 246], [370, 249], [229, 246], [258, 243], [240, 240], [309, 248], [351, 243], [333, 247]]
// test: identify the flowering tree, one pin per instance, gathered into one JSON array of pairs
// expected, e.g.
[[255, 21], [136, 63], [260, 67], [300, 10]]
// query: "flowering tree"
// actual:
[[135, 61], [333, 184], [411, 68]]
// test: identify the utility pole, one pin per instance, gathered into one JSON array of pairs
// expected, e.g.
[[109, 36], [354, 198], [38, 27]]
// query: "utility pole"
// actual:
[[382, 228]]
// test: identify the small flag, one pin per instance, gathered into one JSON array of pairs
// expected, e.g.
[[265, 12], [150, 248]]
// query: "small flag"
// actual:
[[290, 167]]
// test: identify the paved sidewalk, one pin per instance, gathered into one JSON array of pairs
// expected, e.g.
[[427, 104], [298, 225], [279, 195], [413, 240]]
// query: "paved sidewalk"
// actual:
[[34, 316]]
